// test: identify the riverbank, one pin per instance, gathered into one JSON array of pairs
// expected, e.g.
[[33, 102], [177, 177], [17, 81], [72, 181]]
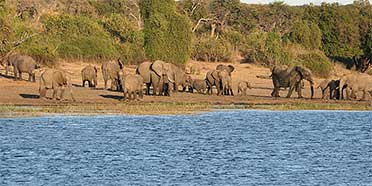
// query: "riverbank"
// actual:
[[164, 108]]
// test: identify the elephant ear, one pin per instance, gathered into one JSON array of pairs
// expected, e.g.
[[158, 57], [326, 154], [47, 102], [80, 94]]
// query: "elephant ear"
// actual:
[[215, 74], [158, 67], [230, 69], [220, 67]]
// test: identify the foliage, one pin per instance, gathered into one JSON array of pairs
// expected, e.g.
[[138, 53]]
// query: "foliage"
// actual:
[[167, 33], [213, 50], [79, 37], [306, 34]]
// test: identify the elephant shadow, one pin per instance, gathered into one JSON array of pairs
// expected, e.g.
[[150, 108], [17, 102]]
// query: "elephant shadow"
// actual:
[[112, 97], [6, 76], [29, 96]]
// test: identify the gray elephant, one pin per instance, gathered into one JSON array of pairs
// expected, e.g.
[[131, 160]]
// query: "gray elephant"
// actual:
[[89, 74], [143, 70], [221, 79], [110, 71], [180, 78], [7, 61], [330, 87], [200, 85], [55, 80], [354, 83], [228, 68], [243, 86], [158, 71], [132, 84], [291, 78], [21, 64]]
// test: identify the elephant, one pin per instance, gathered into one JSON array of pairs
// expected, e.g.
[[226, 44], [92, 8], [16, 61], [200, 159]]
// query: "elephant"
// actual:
[[143, 70], [7, 61], [132, 84], [291, 78], [89, 73], [158, 71], [180, 78], [331, 87], [55, 80], [110, 71], [221, 79], [243, 86], [353, 83], [200, 85], [21, 64], [228, 68]]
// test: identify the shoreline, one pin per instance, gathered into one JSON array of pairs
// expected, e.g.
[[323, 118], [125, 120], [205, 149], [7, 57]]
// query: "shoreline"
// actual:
[[162, 108]]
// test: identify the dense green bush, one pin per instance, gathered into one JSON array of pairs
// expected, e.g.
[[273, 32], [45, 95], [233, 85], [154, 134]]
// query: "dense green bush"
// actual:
[[306, 34], [129, 39], [79, 37], [168, 34], [317, 62], [266, 48], [212, 50]]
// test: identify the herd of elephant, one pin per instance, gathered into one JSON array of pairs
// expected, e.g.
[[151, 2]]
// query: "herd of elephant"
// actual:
[[292, 78], [161, 78]]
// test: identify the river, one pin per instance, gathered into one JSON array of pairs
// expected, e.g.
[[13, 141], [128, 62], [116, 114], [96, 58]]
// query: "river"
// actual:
[[237, 147]]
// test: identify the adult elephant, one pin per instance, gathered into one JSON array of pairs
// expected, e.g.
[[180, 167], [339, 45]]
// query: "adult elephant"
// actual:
[[110, 71], [55, 80], [132, 85], [221, 79], [180, 78], [7, 61], [21, 64], [354, 83], [143, 70], [228, 68], [158, 71], [291, 78], [89, 74]]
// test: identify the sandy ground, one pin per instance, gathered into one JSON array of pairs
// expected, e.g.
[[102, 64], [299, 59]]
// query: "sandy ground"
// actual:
[[26, 93]]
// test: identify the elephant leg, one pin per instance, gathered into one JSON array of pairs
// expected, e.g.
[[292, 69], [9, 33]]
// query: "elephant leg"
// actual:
[[105, 81], [148, 88], [29, 77], [42, 92], [140, 94], [20, 75], [83, 84], [299, 89], [364, 95], [291, 88], [231, 92], [15, 73], [55, 91], [95, 83], [61, 94]]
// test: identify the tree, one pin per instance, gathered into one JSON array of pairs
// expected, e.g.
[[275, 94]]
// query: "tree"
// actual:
[[167, 33]]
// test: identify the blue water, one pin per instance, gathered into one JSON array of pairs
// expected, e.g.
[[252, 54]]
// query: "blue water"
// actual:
[[217, 148]]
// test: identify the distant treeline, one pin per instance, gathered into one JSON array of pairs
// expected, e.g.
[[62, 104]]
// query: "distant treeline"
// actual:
[[175, 31]]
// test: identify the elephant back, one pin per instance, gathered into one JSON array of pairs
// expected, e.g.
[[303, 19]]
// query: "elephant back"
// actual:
[[143, 70]]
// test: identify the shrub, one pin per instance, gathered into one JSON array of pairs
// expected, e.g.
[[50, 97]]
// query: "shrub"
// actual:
[[266, 49], [211, 49], [79, 37], [168, 34]]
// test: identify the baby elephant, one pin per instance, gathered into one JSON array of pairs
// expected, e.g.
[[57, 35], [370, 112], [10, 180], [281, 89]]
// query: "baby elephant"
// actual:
[[331, 86], [132, 84], [55, 80], [200, 85], [89, 73], [243, 86]]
